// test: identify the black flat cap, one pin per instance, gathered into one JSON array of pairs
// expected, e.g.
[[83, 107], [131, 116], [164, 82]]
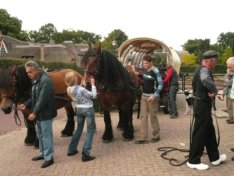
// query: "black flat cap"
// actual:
[[210, 54]]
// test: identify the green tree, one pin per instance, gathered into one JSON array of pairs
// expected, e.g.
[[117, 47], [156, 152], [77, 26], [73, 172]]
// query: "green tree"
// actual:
[[226, 54], [226, 40], [197, 47], [76, 37], [114, 40], [188, 59], [23, 35], [45, 33], [9, 25]]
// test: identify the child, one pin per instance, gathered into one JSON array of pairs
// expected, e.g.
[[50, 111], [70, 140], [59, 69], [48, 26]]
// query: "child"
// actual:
[[84, 110]]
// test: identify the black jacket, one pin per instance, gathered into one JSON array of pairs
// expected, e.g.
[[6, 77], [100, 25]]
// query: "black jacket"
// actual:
[[42, 102]]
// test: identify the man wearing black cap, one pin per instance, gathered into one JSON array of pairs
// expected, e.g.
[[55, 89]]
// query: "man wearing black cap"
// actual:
[[203, 134]]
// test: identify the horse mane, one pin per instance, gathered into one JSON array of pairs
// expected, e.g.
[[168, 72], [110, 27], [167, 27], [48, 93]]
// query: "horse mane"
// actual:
[[5, 80], [23, 83], [111, 70]]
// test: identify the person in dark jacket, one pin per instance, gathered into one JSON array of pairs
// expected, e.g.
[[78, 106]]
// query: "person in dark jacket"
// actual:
[[203, 134], [171, 80], [42, 104]]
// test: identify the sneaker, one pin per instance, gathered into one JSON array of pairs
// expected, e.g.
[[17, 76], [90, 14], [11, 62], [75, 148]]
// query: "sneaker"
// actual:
[[141, 141], [173, 116], [200, 166], [230, 121], [232, 149], [221, 159], [233, 158], [153, 140]]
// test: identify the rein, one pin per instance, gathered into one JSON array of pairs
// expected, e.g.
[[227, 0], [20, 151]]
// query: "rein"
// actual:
[[166, 150], [62, 98], [17, 119]]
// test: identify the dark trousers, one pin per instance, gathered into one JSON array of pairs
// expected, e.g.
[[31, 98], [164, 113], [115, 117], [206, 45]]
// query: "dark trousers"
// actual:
[[172, 99], [203, 134]]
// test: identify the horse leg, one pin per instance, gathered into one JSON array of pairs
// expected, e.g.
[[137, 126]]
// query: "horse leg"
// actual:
[[108, 133], [121, 122], [31, 137], [70, 125], [128, 126], [138, 105]]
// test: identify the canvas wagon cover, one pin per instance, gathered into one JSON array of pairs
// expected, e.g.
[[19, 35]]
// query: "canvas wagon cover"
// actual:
[[135, 49]]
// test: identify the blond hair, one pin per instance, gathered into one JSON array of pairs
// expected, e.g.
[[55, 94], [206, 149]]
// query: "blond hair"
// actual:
[[71, 78], [230, 60]]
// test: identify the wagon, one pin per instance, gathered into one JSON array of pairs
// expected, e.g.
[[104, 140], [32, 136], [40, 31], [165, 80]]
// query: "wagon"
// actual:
[[131, 52]]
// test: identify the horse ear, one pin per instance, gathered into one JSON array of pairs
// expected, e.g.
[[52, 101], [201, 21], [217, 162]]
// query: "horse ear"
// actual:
[[13, 70], [89, 45], [99, 48]]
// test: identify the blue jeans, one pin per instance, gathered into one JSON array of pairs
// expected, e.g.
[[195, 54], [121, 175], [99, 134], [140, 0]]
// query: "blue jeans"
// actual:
[[45, 137], [89, 115]]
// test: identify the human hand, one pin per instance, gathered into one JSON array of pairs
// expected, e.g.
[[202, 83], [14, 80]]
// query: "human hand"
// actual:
[[92, 81], [150, 99], [211, 95], [220, 95], [32, 116], [21, 107]]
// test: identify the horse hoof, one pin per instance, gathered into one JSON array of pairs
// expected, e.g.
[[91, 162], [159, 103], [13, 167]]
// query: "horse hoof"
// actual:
[[28, 144], [106, 141], [127, 140], [120, 129], [65, 135]]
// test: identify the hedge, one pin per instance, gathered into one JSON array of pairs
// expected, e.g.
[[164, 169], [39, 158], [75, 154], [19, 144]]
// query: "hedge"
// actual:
[[219, 69], [6, 63]]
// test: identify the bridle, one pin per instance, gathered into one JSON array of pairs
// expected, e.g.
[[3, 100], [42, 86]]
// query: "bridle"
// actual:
[[13, 98]]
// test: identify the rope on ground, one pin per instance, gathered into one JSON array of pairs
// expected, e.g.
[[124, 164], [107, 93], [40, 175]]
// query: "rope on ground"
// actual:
[[173, 161]]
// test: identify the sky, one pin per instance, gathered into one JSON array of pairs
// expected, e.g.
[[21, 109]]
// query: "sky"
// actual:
[[173, 22]]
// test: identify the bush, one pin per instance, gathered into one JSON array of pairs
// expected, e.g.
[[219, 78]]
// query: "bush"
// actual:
[[219, 69], [6, 63]]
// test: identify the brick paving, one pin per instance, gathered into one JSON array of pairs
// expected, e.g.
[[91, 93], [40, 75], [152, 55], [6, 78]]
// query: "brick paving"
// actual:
[[117, 158]]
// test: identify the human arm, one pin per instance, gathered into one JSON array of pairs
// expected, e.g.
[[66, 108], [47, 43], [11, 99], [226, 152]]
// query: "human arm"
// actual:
[[227, 84], [93, 89], [159, 87], [208, 82], [169, 74]]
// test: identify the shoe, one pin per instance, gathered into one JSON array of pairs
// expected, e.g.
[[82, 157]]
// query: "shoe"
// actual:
[[71, 154], [232, 149], [141, 141], [36, 158], [47, 163], [222, 158], [230, 121], [173, 116], [200, 166], [87, 158], [153, 140]]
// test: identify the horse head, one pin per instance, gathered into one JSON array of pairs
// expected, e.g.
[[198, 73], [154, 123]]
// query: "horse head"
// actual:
[[90, 62], [15, 87], [7, 89]]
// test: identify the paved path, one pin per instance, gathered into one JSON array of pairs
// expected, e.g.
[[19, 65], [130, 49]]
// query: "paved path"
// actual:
[[117, 158]]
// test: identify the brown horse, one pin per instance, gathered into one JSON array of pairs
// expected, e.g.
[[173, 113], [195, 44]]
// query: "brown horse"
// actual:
[[115, 87], [15, 88]]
